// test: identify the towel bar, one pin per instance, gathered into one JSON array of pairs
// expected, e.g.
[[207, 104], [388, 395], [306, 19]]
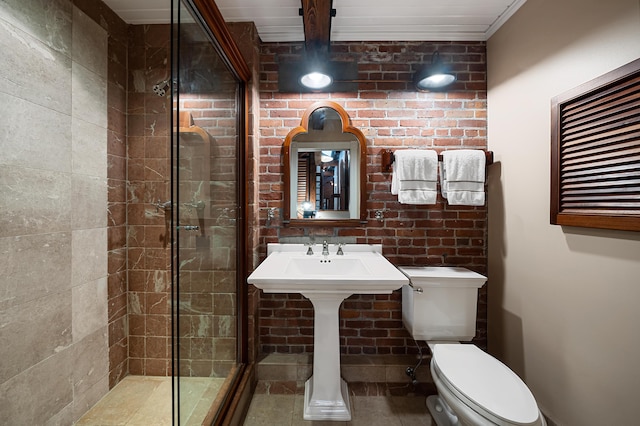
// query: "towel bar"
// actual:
[[388, 158]]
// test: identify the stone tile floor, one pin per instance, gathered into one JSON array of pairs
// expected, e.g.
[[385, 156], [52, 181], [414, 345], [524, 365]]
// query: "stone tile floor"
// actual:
[[286, 410], [146, 401], [379, 389]]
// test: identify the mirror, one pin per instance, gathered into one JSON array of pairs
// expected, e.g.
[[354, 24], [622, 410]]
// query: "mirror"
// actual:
[[323, 188], [324, 169]]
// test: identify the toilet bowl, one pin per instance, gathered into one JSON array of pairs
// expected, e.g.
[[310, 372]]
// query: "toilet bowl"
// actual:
[[474, 389]]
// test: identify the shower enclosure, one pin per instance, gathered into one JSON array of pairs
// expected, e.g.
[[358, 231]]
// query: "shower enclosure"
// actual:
[[206, 217]]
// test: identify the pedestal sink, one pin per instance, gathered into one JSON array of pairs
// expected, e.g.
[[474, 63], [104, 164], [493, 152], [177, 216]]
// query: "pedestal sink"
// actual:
[[326, 280]]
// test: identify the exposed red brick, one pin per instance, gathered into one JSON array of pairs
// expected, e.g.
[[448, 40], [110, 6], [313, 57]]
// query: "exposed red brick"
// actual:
[[392, 115]]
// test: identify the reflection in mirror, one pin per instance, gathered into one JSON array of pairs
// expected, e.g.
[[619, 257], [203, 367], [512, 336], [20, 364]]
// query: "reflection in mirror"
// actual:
[[323, 183], [323, 168]]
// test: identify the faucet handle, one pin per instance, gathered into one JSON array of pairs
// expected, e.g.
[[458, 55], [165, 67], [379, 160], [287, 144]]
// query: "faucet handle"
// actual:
[[309, 249], [340, 252]]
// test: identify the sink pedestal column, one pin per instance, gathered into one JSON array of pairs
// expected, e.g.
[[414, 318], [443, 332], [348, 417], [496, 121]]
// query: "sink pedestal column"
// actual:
[[326, 396]]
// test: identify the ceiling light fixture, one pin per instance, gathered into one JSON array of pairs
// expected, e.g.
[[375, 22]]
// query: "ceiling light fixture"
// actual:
[[316, 19], [434, 76], [316, 80], [316, 74]]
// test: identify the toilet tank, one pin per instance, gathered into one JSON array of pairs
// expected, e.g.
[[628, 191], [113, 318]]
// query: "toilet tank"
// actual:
[[446, 307]]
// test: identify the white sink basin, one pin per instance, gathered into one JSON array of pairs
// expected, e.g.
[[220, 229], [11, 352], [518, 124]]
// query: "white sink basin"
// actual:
[[326, 281], [357, 271], [318, 267]]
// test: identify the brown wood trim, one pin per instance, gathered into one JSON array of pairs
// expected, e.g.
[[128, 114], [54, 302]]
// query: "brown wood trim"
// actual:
[[554, 207], [243, 394], [316, 19], [228, 403], [595, 152], [603, 80], [188, 130], [621, 223], [326, 222], [286, 148], [214, 20], [222, 401]]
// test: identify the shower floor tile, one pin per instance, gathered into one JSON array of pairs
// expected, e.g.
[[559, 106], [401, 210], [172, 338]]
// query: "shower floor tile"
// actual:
[[144, 401]]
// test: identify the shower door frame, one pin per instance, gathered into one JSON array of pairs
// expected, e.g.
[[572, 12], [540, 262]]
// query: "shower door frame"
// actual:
[[238, 381]]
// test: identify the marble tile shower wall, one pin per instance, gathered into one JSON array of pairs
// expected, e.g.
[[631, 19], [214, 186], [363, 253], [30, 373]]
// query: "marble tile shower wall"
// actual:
[[53, 226], [208, 175], [83, 302], [207, 261], [117, 193], [149, 173]]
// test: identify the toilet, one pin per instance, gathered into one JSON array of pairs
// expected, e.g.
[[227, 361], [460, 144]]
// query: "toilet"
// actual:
[[474, 389]]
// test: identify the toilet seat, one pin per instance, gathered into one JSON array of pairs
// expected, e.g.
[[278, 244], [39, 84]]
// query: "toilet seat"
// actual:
[[485, 384]]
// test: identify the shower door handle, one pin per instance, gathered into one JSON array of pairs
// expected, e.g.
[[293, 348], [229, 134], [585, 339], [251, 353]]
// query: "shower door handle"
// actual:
[[188, 227]]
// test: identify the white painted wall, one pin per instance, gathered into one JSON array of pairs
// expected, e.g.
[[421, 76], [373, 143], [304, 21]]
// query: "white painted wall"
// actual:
[[564, 303]]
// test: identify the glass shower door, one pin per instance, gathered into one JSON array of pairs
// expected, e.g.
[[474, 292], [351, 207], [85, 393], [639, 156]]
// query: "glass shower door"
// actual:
[[205, 194]]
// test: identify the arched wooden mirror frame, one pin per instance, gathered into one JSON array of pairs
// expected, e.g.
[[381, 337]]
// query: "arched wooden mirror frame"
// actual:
[[361, 180]]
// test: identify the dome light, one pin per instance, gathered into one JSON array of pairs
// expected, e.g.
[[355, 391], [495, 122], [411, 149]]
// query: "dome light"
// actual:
[[316, 80], [434, 76]]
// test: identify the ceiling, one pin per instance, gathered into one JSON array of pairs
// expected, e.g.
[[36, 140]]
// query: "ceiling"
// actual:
[[355, 20]]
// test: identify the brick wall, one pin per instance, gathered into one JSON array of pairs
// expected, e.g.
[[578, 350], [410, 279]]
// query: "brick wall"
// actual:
[[392, 115]]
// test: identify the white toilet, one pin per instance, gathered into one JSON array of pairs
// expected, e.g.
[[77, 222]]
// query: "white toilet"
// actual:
[[439, 306]]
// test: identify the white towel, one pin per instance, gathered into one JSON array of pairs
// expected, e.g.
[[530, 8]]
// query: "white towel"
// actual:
[[415, 175], [462, 176]]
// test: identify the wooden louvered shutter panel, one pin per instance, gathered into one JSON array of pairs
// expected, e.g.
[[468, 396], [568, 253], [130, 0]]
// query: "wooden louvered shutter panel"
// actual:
[[595, 153], [303, 178]]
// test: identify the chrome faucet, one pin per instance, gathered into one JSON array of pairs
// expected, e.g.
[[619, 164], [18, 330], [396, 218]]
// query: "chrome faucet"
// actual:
[[325, 248], [340, 252]]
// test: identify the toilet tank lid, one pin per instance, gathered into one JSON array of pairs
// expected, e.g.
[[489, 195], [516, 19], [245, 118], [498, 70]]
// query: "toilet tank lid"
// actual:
[[443, 276], [486, 382]]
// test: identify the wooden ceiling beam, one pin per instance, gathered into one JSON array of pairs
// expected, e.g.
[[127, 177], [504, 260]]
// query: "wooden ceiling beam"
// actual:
[[316, 17]]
